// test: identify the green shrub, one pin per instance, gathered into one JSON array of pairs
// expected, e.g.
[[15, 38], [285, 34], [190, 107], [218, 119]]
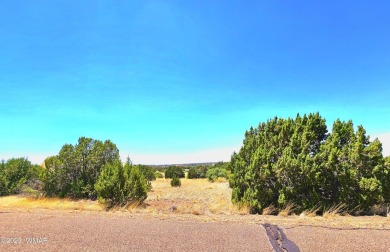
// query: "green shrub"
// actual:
[[3, 186], [231, 180], [159, 174], [148, 172], [136, 186], [223, 165], [118, 184], [15, 173], [109, 186], [76, 168], [53, 185], [30, 192], [214, 173], [175, 182], [297, 161], [192, 174], [197, 172], [174, 171], [385, 180]]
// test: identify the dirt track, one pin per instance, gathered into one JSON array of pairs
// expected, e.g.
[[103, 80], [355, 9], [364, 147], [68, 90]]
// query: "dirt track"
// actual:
[[80, 231]]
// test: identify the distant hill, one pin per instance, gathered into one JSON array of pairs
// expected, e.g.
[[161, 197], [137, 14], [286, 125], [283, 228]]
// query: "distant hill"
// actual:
[[184, 165]]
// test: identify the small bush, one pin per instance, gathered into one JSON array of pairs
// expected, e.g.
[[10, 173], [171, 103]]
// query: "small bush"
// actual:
[[197, 172], [30, 192], [159, 174], [175, 182], [136, 186], [15, 173], [192, 174], [214, 173], [119, 185], [148, 172]]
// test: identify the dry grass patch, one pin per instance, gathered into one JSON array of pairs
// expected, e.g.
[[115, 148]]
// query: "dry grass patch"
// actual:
[[312, 212], [335, 211], [195, 196], [49, 203]]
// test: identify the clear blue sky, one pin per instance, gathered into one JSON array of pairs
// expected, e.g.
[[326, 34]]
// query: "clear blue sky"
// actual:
[[185, 79]]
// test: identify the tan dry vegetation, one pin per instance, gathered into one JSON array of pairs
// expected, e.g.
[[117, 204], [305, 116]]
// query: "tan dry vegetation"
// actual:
[[17, 201], [335, 211], [311, 212], [195, 196]]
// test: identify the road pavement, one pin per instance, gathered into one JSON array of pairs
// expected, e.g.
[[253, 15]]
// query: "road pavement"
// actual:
[[64, 231]]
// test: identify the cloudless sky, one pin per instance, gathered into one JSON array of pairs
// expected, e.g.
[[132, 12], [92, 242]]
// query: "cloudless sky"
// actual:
[[181, 81]]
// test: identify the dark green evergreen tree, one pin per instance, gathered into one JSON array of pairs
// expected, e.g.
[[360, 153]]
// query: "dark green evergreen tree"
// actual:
[[121, 184], [296, 160], [177, 171], [75, 170], [192, 174]]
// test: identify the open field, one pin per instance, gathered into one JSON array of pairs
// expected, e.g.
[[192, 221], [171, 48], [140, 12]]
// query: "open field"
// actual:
[[195, 196]]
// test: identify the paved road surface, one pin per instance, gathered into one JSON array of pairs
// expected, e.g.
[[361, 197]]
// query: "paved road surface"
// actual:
[[331, 239], [87, 232], [102, 232]]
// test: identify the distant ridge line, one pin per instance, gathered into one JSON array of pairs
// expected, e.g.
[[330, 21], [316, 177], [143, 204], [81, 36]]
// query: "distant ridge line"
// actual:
[[186, 164]]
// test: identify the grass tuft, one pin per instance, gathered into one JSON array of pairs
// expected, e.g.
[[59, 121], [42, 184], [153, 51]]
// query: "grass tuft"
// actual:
[[311, 212], [288, 209], [335, 211]]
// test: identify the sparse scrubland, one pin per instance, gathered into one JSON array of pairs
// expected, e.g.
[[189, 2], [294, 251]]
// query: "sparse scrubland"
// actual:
[[196, 200], [285, 167], [195, 196]]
